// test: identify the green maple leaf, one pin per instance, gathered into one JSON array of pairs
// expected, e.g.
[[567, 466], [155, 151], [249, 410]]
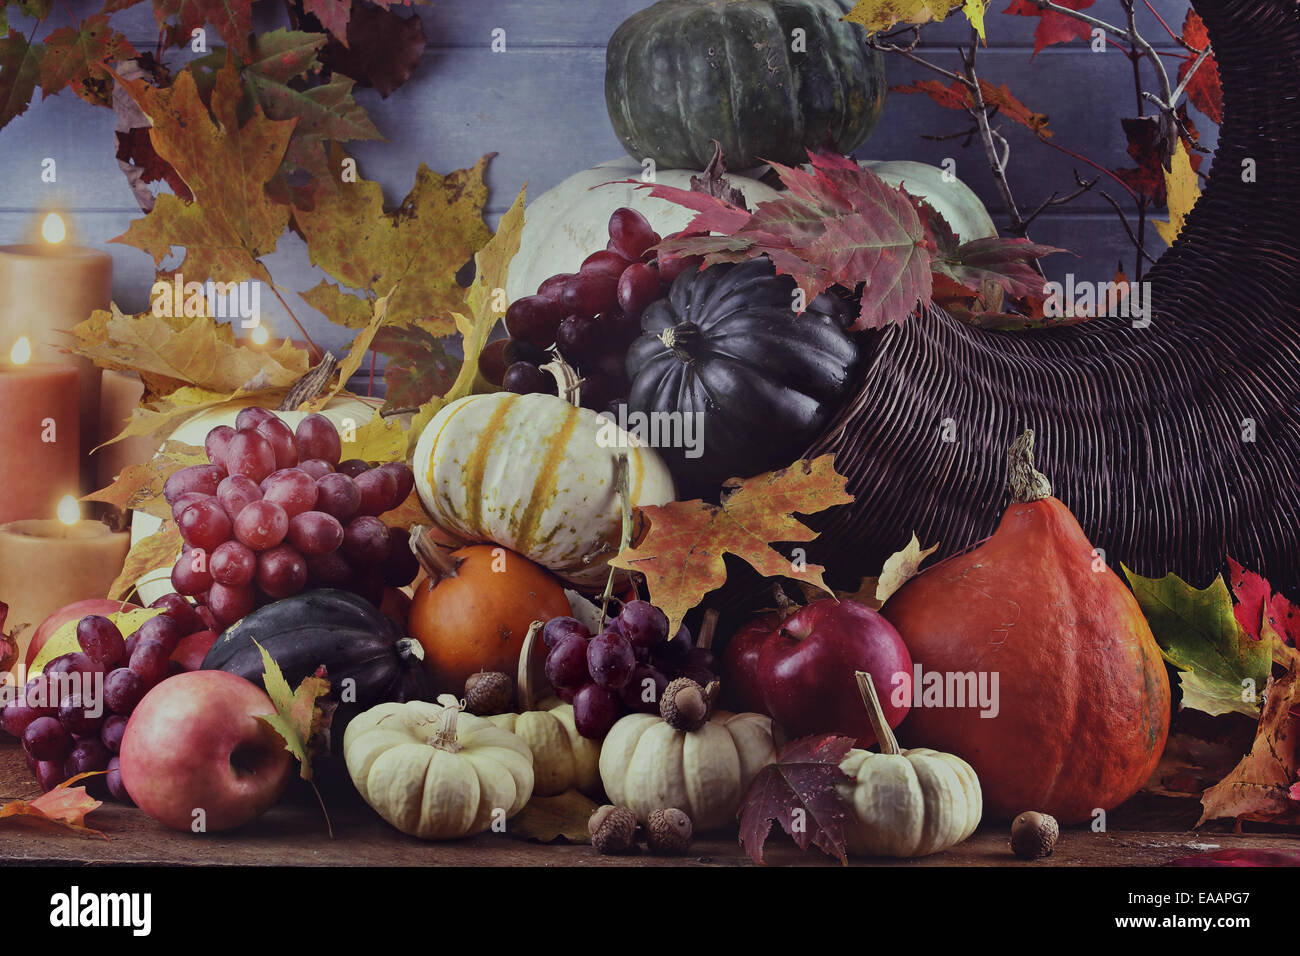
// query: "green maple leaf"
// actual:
[[74, 57], [1199, 634], [20, 64], [297, 718]]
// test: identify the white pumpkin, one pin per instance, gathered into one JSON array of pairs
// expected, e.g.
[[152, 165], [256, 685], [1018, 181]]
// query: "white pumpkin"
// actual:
[[193, 431], [906, 803], [648, 765], [570, 221], [950, 197], [435, 772], [536, 475], [563, 759]]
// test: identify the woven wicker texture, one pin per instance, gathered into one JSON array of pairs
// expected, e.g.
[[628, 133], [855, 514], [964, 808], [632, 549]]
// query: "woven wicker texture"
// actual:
[[1139, 430]]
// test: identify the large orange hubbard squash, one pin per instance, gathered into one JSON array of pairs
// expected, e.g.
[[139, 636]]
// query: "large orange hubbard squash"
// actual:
[[1083, 702]]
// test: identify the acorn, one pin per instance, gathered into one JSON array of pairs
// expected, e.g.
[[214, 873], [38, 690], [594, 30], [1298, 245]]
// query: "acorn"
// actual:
[[1034, 835], [612, 829], [488, 693], [685, 705], [669, 832]]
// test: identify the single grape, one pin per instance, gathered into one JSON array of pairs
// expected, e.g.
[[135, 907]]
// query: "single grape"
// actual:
[[316, 467], [261, 525], [77, 662], [78, 717], [202, 479], [187, 499], [237, 492], [525, 379], [566, 664], [281, 571], [315, 532], [112, 731], [149, 661], [132, 640], [589, 295], [610, 659], [354, 467], [16, 715], [630, 233], [190, 574], [281, 438], [595, 709], [643, 623], [534, 319], [49, 773], [100, 638], [232, 564], [701, 658], [292, 489], [180, 610], [329, 571], [404, 477], [251, 416], [337, 495], [553, 288], [36, 695], [670, 267], [163, 630], [606, 262], [644, 688], [558, 628], [229, 604], [378, 491], [579, 338], [46, 739], [88, 756], [401, 566], [113, 780], [123, 689], [218, 443], [206, 615], [491, 361], [204, 524], [565, 694], [638, 286], [517, 350], [602, 387], [366, 542], [250, 454], [318, 438]]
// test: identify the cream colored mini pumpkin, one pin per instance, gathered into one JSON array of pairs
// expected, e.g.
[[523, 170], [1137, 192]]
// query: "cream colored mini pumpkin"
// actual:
[[563, 759], [906, 802], [435, 772], [647, 765], [536, 475]]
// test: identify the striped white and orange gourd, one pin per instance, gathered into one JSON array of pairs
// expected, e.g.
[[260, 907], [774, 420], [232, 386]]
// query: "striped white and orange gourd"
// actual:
[[537, 475]]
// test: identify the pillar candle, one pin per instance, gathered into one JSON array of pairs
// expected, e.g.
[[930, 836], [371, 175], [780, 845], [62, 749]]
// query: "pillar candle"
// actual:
[[40, 455], [120, 393]]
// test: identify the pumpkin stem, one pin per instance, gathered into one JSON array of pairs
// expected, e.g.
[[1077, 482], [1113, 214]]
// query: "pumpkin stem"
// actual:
[[1027, 483], [710, 624], [436, 562], [525, 690], [408, 648], [681, 339], [445, 738], [884, 735], [566, 378]]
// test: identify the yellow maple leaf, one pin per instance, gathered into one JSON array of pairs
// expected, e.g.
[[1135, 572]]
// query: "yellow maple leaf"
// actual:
[[161, 416], [878, 15], [681, 553], [380, 439], [356, 355], [1183, 189], [158, 550], [900, 567], [139, 487]]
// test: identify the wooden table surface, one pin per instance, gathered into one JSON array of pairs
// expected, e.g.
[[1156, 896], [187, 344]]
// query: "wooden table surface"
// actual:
[[1148, 830]]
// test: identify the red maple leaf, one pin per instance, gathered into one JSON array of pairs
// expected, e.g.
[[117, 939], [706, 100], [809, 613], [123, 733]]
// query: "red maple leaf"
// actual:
[[1204, 89], [1257, 604], [958, 97], [1053, 27]]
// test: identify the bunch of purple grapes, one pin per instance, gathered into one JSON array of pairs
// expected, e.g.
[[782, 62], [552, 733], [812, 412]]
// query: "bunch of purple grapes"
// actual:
[[591, 316], [624, 669], [275, 512], [71, 716]]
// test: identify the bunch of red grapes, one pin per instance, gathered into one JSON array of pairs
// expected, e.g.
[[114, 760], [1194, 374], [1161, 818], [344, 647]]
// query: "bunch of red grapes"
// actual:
[[591, 316], [71, 716], [275, 512], [624, 669]]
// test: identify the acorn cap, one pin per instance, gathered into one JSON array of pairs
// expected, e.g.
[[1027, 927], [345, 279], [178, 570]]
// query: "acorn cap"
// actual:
[[612, 829], [669, 831], [685, 705], [488, 693]]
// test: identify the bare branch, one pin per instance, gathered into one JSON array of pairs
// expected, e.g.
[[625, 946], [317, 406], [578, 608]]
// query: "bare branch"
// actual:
[[1196, 65], [1127, 228], [1057, 200]]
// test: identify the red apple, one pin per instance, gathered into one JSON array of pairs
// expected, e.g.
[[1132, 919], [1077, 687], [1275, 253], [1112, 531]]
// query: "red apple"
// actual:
[[806, 670], [71, 612], [194, 743], [740, 687], [193, 648]]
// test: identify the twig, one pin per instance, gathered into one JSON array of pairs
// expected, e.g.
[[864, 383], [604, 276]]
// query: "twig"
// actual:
[[1095, 165], [1196, 65], [981, 113], [1127, 228], [1156, 13], [1058, 200], [315, 351], [906, 53]]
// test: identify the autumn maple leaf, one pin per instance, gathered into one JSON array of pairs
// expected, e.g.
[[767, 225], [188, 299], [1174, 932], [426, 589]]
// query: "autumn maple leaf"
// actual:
[[1053, 27], [1204, 89], [957, 96]]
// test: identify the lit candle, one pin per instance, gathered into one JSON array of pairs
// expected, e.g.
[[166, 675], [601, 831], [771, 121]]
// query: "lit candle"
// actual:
[[47, 286], [48, 563], [40, 455]]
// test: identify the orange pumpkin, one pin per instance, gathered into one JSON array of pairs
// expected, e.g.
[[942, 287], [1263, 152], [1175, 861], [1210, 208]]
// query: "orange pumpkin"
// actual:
[[473, 611], [1083, 697]]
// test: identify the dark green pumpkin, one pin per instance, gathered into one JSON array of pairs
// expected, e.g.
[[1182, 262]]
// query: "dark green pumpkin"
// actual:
[[726, 345], [682, 73]]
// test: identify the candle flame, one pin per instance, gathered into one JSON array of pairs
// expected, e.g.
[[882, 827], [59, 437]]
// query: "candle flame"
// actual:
[[260, 336], [69, 512], [53, 230], [22, 351]]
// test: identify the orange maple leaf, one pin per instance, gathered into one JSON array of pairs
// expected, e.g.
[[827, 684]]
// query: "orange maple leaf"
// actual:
[[681, 552], [63, 808]]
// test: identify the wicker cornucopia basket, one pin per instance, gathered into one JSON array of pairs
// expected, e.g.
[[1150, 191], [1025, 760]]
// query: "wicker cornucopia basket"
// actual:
[[1174, 445]]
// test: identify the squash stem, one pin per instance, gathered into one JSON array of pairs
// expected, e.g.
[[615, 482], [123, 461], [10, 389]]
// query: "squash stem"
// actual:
[[707, 628], [436, 562], [1027, 482], [567, 379], [445, 738], [680, 339], [524, 682], [884, 735]]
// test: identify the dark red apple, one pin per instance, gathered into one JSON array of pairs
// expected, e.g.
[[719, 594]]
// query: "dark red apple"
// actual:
[[740, 687], [193, 648], [195, 753], [806, 670]]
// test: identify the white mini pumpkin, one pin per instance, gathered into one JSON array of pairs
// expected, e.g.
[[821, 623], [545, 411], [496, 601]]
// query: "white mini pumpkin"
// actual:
[[537, 475], [950, 197], [435, 772]]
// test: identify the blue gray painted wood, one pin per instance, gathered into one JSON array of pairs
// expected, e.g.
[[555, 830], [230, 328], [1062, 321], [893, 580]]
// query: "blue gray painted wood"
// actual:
[[540, 106]]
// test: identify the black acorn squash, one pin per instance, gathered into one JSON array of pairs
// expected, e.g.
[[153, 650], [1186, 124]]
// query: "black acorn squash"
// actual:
[[366, 657], [765, 78], [762, 381]]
